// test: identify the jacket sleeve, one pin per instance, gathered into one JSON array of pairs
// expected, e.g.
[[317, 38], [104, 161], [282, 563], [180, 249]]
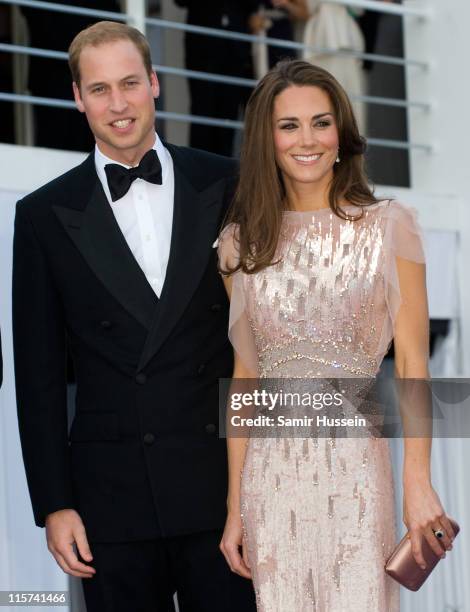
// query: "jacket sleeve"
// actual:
[[40, 373], [231, 183]]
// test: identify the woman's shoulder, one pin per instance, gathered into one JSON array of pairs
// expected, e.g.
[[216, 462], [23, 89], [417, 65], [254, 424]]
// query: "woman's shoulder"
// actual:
[[403, 234], [228, 236], [228, 245], [229, 232], [393, 206], [394, 210]]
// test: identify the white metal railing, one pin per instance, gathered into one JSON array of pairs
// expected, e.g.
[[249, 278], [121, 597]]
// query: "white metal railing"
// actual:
[[209, 76], [387, 8], [228, 123], [73, 10], [137, 15], [371, 5], [217, 33], [286, 44]]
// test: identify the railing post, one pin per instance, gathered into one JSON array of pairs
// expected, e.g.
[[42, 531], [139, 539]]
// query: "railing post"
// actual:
[[23, 113], [136, 13]]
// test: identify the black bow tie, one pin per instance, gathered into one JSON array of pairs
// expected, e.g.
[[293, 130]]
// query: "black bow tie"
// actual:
[[120, 178]]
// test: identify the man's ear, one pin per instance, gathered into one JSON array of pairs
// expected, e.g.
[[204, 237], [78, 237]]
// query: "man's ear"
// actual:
[[155, 85], [78, 97]]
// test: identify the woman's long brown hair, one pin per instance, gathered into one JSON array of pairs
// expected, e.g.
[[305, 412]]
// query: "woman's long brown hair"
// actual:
[[260, 198]]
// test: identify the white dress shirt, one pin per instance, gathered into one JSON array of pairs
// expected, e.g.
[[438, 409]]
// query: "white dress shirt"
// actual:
[[145, 215]]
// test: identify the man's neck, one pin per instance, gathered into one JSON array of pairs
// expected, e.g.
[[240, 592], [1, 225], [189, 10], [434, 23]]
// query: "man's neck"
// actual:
[[128, 157]]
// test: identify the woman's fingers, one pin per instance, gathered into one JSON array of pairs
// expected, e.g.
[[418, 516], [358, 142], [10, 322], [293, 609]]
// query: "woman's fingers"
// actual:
[[416, 537], [445, 541], [235, 561], [449, 530], [227, 551], [245, 553], [416, 548], [246, 561], [435, 543]]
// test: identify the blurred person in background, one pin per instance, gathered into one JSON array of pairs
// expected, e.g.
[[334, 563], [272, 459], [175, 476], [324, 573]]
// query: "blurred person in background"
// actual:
[[218, 56], [275, 19], [334, 27]]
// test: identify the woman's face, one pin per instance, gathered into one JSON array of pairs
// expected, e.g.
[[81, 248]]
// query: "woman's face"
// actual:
[[306, 138]]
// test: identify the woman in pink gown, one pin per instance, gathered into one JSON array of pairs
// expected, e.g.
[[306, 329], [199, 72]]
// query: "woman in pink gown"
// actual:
[[321, 277]]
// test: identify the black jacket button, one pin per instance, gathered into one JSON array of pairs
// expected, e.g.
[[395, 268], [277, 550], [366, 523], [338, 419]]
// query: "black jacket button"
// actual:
[[216, 307], [149, 439], [141, 379], [106, 324], [210, 428], [201, 368]]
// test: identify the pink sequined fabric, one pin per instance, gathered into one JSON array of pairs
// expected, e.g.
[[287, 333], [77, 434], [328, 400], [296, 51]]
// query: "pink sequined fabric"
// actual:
[[319, 514]]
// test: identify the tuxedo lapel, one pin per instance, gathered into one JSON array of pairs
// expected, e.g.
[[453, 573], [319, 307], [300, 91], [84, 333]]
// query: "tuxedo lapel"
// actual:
[[194, 227], [92, 227]]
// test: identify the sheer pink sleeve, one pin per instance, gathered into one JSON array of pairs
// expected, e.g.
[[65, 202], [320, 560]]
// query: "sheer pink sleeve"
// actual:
[[403, 238], [240, 331]]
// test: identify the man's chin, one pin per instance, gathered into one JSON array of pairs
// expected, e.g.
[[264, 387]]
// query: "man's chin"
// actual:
[[119, 144], [108, 143]]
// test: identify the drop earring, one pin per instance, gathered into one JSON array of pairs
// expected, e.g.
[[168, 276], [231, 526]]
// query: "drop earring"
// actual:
[[338, 159]]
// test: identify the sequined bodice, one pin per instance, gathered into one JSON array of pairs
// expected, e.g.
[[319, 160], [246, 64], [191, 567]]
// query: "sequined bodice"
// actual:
[[320, 311]]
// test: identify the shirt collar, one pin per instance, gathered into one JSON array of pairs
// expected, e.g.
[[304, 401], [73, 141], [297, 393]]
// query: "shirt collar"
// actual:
[[101, 160]]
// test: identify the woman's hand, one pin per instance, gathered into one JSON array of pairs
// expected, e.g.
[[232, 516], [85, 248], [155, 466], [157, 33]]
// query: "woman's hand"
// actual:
[[423, 514], [258, 22], [230, 544]]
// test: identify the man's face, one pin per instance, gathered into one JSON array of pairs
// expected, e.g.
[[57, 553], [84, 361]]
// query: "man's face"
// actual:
[[117, 96]]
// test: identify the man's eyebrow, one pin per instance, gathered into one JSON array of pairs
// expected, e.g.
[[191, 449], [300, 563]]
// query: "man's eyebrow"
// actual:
[[101, 83], [95, 84], [131, 76], [319, 116]]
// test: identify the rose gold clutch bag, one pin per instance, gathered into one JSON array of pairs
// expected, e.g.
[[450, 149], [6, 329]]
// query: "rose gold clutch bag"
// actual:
[[403, 568]]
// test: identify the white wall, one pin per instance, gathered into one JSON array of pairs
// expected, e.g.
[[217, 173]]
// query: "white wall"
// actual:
[[25, 562], [443, 41]]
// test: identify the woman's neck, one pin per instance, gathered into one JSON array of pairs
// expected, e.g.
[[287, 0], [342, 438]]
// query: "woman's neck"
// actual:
[[307, 196]]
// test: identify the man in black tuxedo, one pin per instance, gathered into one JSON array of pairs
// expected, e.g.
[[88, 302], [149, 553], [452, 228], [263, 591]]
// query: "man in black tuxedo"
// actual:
[[114, 260]]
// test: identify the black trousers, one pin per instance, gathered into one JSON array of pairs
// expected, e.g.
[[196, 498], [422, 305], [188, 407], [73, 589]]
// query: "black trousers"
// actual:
[[143, 576]]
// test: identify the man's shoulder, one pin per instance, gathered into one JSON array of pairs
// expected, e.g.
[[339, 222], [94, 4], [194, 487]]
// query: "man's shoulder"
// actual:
[[203, 168], [60, 189]]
